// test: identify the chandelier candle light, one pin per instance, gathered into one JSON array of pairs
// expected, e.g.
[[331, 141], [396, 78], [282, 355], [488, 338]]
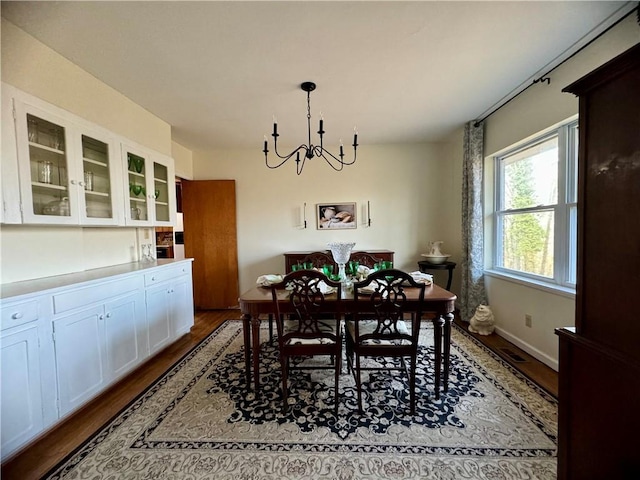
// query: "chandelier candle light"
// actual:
[[309, 150]]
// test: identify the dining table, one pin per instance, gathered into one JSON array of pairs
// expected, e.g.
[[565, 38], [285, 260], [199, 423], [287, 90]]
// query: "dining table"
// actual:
[[438, 305]]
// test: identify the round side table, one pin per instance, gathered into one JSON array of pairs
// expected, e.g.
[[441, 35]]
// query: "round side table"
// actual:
[[423, 265]]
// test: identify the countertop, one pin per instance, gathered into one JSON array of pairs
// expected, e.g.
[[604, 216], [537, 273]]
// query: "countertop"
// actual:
[[40, 285]]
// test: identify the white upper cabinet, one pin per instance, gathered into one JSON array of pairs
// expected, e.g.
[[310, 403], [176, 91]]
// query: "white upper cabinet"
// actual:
[[150, 178], [73, 172], [69, 174]]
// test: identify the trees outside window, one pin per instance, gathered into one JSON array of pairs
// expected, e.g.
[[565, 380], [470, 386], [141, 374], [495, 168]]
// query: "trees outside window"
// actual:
[[535, 208]]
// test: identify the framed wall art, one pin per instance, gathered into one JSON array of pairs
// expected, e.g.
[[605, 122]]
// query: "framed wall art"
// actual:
[[331, 216]]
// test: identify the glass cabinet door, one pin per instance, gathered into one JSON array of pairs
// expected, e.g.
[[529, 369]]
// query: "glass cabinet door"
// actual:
[[161, 192], [138, 166], [45, 172], [96, 180]]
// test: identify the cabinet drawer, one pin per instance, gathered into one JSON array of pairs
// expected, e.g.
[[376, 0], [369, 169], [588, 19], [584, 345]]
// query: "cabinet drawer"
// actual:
[[164, 274], [82, 297], [18, 313]]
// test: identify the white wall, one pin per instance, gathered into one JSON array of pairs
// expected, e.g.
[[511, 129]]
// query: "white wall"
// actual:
[[183, 161], [412, 189], [540, 107], [33, 252]]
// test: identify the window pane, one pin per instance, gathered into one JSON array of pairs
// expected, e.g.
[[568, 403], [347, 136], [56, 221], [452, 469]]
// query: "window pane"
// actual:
[[573, 245], [527, 242], [531, 176]]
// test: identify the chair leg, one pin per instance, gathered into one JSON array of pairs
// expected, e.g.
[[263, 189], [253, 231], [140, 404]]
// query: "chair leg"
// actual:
[[284, 362], [358, 383], [412, 385], [270, 328], [337, 394]]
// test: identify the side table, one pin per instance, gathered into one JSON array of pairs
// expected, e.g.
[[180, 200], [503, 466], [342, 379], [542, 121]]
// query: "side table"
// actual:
[[424, 266]]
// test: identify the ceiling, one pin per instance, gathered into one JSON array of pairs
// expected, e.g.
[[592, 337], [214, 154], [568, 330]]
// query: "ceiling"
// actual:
[[403, 72]]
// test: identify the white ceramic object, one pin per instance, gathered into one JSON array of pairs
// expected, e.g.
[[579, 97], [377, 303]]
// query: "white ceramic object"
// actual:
[[436, 259]]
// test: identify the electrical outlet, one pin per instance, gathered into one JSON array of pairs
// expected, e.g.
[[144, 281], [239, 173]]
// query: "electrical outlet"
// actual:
[[527, 320]]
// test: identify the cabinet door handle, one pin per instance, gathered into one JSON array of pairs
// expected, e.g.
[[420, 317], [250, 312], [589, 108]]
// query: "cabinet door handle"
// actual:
[[73, 182], [109, 315], [100, 317], [153, 279], [17, 315], [81, 184]]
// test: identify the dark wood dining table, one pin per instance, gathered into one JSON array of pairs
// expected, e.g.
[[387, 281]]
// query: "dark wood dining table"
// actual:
[[438, 304]]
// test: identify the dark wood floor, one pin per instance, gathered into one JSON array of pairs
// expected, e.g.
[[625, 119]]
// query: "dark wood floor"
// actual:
[[45, 452]]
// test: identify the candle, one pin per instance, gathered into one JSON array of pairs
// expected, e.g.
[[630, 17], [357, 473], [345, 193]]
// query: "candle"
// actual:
[[355, 136], [304, 212], [368, 213], [265, 143], [275, 125]]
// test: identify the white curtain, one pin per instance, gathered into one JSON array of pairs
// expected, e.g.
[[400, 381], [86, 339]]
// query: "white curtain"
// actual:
[[472, 291]]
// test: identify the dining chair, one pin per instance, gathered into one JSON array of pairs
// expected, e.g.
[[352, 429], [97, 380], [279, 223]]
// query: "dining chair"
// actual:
[[319, 259], [308, 332], [364, 258], [378, 328]]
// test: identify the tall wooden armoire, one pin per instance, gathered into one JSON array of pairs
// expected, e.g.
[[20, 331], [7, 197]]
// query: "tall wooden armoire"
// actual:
[[210, 238], [599, 375]]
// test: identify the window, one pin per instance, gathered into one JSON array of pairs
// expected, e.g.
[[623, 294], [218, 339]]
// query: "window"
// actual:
[[536, 208]]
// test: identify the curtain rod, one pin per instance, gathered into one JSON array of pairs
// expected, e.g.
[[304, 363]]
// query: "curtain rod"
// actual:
[[544, 78]]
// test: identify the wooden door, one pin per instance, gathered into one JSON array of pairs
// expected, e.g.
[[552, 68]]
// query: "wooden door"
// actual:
[[209, 217]]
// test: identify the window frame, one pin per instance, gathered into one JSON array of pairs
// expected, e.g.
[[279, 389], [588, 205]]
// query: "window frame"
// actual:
[[564, 231]]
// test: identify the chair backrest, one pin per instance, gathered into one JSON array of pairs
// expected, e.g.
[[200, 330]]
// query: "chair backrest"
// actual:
[[318, 259], [364, 258], [306, 303], [382, 297]]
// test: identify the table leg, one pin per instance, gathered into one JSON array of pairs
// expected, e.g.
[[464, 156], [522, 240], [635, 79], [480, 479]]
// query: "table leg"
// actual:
[[255, 334], [246, 332], [448, 318], [438, 322], [449, 279]]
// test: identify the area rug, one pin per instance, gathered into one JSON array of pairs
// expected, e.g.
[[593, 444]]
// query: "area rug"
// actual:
[[199, 421]]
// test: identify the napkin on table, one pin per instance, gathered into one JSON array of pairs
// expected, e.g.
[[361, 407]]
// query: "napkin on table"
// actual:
[[268, 280]]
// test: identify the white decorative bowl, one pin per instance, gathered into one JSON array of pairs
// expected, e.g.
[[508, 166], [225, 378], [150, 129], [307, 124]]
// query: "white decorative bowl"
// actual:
[[436, 259]]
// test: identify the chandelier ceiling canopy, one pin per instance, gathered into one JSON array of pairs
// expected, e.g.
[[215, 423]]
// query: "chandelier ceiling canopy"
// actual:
[[309, 150]]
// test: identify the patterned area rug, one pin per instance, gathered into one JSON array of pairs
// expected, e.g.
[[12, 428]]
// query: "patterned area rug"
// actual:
[[198, 421]]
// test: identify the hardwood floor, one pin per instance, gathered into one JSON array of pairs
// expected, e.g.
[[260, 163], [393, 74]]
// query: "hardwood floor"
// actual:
[[46, 451]]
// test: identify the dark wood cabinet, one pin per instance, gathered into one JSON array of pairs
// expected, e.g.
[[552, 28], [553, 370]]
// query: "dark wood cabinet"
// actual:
[[321, 257], [599, 373]]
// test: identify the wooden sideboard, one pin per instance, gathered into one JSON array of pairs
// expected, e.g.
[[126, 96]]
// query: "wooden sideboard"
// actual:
[[321, 257]]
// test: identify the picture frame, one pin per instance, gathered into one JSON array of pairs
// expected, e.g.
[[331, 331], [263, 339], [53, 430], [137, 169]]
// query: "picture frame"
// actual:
[[336, 216]]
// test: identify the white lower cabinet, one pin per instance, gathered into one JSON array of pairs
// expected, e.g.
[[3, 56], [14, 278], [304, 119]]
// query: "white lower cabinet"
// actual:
[[63, 346], [21, 394], [158, 317], [27, 372], [169, 304], [96, 346]]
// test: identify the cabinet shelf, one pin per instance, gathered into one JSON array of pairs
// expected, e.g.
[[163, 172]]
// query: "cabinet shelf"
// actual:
[[160, 180], [49, 186], [95, 162], [162, 203], [139, 200], [48, 149], [136, 174], [96, 194]]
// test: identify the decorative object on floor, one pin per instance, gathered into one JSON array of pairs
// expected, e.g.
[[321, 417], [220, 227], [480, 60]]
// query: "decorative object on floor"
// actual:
[[482, 321], [341, 251], [336, 215], [198, 421], [435, 256], [309, 151]]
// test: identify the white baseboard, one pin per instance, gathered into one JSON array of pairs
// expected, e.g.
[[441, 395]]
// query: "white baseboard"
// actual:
[[534, 352]]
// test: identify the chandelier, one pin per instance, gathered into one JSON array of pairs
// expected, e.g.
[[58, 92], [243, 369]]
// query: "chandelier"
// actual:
[[309, 151]]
